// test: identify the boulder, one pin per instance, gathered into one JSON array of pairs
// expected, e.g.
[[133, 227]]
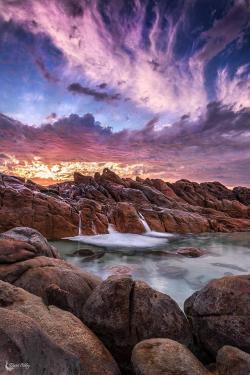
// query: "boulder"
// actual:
[[61, 328], [165, 357], [27, 260], [123, 312], [232, 361], [191, 252], [56, 281], [220, 314], [12, 242], [26, 349]]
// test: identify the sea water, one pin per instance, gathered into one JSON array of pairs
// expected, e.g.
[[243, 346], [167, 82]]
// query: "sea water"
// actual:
[[152, 257]]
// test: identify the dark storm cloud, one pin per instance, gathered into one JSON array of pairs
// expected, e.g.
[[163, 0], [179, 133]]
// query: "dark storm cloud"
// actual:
[[218, 142], [77, 88]]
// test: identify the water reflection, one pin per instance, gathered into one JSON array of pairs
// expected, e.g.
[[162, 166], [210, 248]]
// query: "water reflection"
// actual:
[[176, 275]]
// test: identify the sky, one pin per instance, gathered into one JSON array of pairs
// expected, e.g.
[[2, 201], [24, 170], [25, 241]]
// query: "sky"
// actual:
[[155, 88]]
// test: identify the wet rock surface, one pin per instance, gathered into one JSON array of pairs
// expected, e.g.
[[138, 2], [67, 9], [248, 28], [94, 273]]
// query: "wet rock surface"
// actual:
[[191, 252]]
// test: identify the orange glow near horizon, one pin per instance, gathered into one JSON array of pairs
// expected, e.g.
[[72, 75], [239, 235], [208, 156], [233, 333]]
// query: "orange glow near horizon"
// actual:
[[47, 174]]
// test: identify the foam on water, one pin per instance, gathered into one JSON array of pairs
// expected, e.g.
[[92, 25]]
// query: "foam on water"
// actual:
[[123, 240]]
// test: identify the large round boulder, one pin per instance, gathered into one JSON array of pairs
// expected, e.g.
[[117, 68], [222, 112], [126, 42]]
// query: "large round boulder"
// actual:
[[220, 314], [26, 349], [232, 361], [123, 312], [164, 356], [63, 331], [55, 280], [35, 243]]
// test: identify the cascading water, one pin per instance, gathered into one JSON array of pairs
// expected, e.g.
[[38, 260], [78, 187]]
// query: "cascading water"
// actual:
[[144, 223], [80, 223], [111, 229]]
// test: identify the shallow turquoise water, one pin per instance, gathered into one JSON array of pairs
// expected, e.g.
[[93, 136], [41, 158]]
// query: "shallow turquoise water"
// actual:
[[141, 256]]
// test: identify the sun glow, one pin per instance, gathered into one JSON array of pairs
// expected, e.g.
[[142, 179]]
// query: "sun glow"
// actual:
[[39, 171]]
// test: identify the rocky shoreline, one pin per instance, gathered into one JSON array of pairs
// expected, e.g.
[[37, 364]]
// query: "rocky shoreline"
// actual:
[[59, 320], [130, 205]]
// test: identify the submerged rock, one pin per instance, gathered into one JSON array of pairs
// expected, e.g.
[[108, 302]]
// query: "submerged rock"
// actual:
[[232, 361], [165, 357], [123, 312], [64, 334], [87, 255], [172, 272], [191, 252], [220, 314]]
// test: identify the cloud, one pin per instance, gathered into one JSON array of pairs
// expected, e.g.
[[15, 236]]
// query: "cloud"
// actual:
[[45, 72], [215, 144], [234, 90], [132, 46], [225, 30], [77, 88]]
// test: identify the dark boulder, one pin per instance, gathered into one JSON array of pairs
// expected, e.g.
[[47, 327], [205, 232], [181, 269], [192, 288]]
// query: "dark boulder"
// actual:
[[123, 312], [220, 314], [232, 361]]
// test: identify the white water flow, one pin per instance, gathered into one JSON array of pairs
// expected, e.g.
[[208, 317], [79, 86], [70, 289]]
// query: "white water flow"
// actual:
[[117, 239], [80, 223], [144, 223], [152, 233]]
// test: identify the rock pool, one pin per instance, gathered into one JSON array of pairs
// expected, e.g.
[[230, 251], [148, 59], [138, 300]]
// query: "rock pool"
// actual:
[[152, 258]]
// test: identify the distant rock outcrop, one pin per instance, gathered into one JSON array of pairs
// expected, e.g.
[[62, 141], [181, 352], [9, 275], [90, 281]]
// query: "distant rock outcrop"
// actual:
[[181, 207]]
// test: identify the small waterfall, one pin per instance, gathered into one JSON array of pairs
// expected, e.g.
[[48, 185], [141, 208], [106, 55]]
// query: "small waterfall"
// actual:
[[144, 223], [111, 229], [80, 223]]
